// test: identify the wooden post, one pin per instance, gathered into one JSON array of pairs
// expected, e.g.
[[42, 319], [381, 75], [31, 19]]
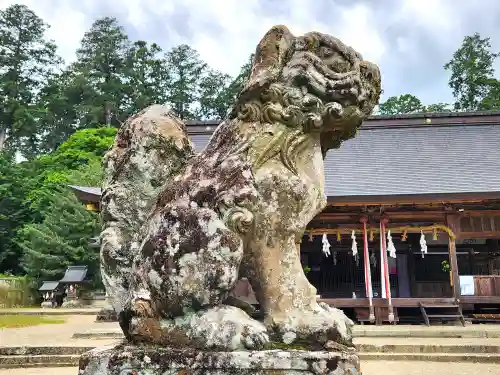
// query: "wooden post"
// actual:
[[452, 223], [385, 267], [367, 268]]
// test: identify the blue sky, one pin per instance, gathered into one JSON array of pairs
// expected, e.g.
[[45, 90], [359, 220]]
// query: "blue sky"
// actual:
[[410, 40]]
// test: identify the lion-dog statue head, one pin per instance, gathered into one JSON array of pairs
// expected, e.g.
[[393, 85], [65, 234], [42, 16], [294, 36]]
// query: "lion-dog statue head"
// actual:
[[314, 83]]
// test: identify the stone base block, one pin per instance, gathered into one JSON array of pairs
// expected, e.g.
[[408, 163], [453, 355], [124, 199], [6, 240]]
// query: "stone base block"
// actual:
[[106, 314], [47, 305], [151, 360], [72, 304]]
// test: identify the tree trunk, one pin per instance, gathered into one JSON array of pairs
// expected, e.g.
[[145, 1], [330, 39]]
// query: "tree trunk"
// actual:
[[3, 137], [108, 115]]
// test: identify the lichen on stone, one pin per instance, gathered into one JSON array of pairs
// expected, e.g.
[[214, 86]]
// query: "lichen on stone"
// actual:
[[180, 228]]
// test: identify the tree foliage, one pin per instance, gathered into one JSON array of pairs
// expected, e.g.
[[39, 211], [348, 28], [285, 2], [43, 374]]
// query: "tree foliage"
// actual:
[[100, 71], [406, 103], [472, 81], [27, 60], [64, 118], [61, 239], [15, 184]]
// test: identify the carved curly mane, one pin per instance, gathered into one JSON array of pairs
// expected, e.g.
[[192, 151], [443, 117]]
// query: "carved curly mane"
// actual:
[[312, 83]]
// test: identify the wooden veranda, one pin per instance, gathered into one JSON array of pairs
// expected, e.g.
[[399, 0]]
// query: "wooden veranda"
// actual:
[[467, 222]]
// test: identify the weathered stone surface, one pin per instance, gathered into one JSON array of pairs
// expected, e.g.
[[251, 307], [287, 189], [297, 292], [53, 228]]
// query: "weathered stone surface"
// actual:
[[72, 303], [106, 314], [165, 361], [149, 149], [181, 229]]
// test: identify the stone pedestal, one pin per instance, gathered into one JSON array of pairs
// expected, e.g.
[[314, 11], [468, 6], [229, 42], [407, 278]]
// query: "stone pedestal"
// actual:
[[128, 360], [72, 303], [47, 305], [106, 314]]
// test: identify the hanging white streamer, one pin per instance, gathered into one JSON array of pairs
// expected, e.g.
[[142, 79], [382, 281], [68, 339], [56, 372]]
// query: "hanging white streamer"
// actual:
[[373, 259], [390, 245], [423, 244], [326, 245], [354, 246]]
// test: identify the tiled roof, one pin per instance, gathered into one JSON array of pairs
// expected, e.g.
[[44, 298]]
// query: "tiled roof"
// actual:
[[452, 159], [48, 286], [86, 189], [418, 160], [386, 160], [74, 274]]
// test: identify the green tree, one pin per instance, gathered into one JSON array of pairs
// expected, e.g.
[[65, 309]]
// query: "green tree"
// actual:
[[58, 101], [240, 80], [437, 107], [215, 96], [99, 74], [472, 72], [492, 98], [146, 77], [84, 147], [406, 103], [185, 70], [27, 60], [15, 183], [60, 226], [61, 239]]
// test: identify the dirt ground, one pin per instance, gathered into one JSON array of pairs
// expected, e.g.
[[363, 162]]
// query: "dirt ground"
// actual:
[[61, 335], [44, 335]]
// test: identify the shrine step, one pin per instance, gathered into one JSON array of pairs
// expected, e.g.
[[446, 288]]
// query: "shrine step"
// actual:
[[44, 350], [29, 361], [407, 331], [427, 348], [434, 357]]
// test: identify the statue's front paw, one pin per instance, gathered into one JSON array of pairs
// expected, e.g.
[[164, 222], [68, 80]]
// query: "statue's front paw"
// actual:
[[344, 323], [254, 337]]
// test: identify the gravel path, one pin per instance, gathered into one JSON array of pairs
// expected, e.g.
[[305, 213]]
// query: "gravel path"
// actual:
[[50, 334]]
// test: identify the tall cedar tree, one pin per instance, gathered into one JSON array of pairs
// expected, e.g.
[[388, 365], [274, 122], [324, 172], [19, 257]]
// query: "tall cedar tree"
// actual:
[[27, 60], [147, 77], [185, 72], [99, 72]]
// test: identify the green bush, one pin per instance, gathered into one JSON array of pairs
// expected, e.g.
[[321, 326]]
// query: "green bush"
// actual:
[[17, 292]]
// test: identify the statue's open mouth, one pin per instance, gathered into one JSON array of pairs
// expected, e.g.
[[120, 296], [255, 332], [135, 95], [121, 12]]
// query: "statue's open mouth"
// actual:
[[307, 70]]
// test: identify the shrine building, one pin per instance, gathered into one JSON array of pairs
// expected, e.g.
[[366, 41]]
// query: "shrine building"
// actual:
[[412, 226]]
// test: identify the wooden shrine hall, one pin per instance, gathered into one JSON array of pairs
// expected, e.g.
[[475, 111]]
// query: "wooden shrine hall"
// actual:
[[412, 226]]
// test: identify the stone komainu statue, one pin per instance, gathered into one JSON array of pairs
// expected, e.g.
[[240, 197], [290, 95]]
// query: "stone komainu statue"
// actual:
[[180, 228]]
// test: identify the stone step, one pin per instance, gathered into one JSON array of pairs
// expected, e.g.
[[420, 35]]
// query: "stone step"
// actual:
[[363, 348], [428, 349], [24, 361], [56, 312], [30, 361], [428, 332], [44, 350], [46, 356], [382, 332], [431, 357]]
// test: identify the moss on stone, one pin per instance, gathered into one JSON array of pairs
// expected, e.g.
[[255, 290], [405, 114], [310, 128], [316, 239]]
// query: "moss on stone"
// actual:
[[283, 346]]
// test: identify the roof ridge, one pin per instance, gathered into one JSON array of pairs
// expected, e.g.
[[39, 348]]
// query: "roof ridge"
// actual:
[[399, 116]]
